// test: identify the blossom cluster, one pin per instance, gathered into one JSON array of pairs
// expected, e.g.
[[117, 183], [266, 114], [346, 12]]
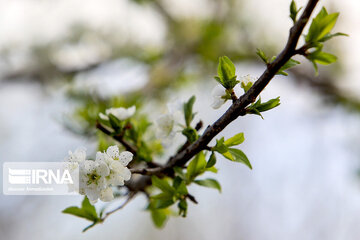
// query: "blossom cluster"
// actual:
[[96, 177]]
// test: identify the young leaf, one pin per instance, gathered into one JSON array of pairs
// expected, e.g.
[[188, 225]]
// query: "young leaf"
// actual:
[[212, 160], [226, 72], [209, 182], [182, 207], [159, 217], [239, 156], [220, 147], [177, 181], [330, 36], [321, 25], [188, 111], [86, 211], [268, 105], [322, 57], [196, 166], [293, 11], [76, 211], [90, 209], [291, 63], [160, 203], [262, 55], [182, 189], [235, 140], [226, 68], [162, 184], [114, 122], [259, 107], [190, 134]]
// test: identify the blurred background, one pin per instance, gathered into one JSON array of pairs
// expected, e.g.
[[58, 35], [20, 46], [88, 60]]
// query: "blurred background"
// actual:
[[61, 62]]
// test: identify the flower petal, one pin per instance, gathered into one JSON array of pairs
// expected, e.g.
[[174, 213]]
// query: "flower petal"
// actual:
[[107, 195], [125, 157], [102, 169], [113, 152]]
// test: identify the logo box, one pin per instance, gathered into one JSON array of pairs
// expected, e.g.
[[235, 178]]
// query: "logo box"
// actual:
[[40, 178]]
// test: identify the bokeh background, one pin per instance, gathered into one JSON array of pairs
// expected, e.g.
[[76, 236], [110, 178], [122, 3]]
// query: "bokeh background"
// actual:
[[61, 59]]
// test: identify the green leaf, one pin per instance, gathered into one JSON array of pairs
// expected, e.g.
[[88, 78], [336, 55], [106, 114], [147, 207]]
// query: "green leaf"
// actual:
[[188, 110], [315, 67], [235, 140], [212, 169], [220, 146], [212, 161], [209, 182], [268, 105], [76, 211], [182, 207], [177, 181], [179, 172], [322, 57], [226, 73], [162, 184], [321, 25], [86, 211], [114, 122], [182, 189], [239, 156], [190, 134], [293, 11], [160, 203], [289, 64], [262, 55], [196, 166], [159, 217], [258, 107], [86, 205], [330, 36], [226, 68]]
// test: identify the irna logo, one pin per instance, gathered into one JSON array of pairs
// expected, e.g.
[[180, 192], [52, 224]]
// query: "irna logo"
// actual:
[[39, 176]]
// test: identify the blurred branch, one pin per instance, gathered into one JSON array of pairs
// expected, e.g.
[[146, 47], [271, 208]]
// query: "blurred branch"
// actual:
[[326, 86]]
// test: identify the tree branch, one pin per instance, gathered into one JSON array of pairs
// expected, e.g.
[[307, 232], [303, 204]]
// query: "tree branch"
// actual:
[[238, 107]]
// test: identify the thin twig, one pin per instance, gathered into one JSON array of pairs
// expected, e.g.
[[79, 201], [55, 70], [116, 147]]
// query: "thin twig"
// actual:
[[130, 197], [119, 138]]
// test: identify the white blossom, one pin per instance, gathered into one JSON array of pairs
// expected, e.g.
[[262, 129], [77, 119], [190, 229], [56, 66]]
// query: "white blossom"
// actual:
[[165, 124], [97, 177], [120, 113], [117, 163], [218, 93], [78, 156], [92, 178], [168, 124]]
